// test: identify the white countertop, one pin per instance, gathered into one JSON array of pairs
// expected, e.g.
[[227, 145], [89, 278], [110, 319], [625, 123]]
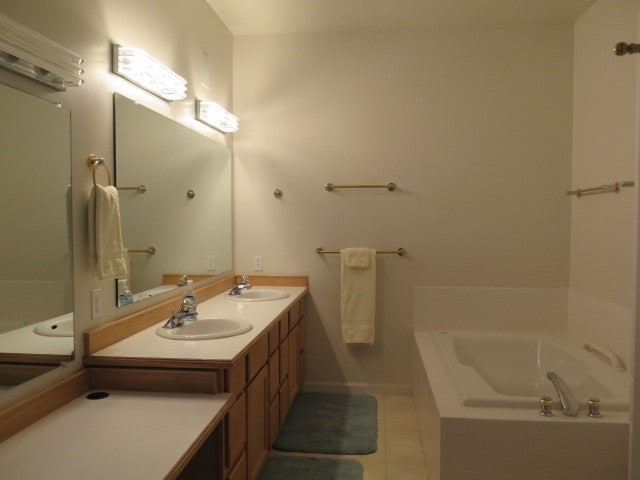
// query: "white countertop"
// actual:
[[147, 344], [24, 341], [128, 435]]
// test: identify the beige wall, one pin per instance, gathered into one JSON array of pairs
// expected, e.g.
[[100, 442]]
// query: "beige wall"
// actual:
[[474, 126], [605, 141], [171, 31]]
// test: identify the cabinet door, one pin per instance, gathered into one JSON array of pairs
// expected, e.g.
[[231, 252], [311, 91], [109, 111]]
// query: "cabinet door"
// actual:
[[239, 472], [274, 420], [236, 430], [257, 428], [274, 374], [294, 358]]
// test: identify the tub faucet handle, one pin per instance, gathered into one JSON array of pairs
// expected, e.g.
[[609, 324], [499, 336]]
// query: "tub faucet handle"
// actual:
[[594, 407], [545, 406]]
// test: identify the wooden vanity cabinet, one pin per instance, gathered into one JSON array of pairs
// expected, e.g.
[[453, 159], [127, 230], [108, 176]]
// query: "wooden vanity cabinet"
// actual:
[[273, 377]]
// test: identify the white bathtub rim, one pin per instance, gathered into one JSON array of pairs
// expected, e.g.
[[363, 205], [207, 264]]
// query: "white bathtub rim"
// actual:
[[449, 401]]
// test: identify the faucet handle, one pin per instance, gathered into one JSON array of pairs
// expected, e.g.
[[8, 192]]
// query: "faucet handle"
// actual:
[[187, 304], [244, 280]]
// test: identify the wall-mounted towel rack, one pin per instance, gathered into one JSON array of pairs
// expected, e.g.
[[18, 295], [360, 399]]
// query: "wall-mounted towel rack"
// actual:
[[330, 187], [613, 188], [140, 188], [94, 162], [148, 251], [400, 251]]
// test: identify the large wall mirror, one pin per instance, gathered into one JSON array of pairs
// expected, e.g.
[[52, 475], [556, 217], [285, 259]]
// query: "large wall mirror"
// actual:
[[36, 268], [174, 186]]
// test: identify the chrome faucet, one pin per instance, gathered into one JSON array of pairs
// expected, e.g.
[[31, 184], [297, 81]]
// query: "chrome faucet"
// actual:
[[186, 310], [569, 403], [243, 285]]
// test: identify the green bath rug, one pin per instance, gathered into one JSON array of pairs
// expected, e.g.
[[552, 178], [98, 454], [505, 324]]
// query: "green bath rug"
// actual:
[[330, 423], [283, 467]]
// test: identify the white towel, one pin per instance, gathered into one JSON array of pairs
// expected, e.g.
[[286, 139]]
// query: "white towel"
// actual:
[[358, 295], [105, 234]]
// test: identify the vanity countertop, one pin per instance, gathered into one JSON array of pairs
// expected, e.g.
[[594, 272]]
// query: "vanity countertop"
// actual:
[[128, 435], [146, 344]]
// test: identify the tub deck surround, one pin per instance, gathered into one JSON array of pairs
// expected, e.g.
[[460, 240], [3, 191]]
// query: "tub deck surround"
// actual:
[[510, 369], [480, 442], [106, 443]]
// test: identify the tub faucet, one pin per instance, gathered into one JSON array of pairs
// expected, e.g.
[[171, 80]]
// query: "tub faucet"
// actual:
[[185, 312], [243, 285], [568, 400]]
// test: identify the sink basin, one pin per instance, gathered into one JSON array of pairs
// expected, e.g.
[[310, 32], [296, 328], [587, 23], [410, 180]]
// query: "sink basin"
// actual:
[[258, 295], [56, 327], [205, 329]]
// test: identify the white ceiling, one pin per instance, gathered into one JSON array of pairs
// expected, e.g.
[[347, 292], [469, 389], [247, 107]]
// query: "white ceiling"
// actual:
[[258, 17]]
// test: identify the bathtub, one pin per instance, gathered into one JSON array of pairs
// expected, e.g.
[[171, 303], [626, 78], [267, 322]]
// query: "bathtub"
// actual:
[[510, 370], [476, 401]]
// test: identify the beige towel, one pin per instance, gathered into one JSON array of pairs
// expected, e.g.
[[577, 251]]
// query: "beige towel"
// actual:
[[105, 235], [358, 295]]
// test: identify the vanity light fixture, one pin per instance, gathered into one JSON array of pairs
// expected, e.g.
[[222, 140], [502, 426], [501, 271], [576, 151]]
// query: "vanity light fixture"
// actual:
[[28, 53], [140, 68], [217, 117]]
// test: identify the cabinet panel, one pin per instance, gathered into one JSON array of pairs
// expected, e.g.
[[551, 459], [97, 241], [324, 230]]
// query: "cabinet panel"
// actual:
[[236, 430], [239, 472], [284, 359], [301, 336], [293, 359], [236, 376], [274, 420], [301, 366], [257, 427], [274, 374], [284, 400]]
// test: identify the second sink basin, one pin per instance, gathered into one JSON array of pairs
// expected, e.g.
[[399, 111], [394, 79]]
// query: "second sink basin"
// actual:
[[61, 326], [258, 295], [205, 329]]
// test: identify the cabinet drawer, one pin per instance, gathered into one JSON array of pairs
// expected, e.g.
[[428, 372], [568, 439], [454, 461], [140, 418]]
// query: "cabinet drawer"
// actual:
[[236, 376], [274, 337], [294, 315], [284, 325], [258, 356]]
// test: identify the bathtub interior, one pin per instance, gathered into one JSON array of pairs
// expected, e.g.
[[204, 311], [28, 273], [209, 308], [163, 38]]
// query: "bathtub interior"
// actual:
[[511, 369]]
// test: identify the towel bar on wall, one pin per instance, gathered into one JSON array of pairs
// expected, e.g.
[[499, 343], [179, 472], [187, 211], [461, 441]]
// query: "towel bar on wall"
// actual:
[[614, 188], [330, 187], [400, 252], [140, 188], [148, 251]]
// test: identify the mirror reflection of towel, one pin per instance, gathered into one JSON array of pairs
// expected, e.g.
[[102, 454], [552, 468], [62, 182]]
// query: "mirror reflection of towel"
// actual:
[[358, 295], [105, 234]]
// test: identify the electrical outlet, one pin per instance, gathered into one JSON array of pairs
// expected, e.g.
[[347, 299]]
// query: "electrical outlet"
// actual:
[[96, 303], [257, 263], [211, 263]]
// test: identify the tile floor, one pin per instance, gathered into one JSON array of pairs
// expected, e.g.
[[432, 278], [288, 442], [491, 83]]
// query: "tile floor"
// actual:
[[399, 454]]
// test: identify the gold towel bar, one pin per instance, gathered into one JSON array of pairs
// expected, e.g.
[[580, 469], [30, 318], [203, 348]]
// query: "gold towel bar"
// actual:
[[329, 187], [148, 251], [400, 251], [615, 188], [140, 188]]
